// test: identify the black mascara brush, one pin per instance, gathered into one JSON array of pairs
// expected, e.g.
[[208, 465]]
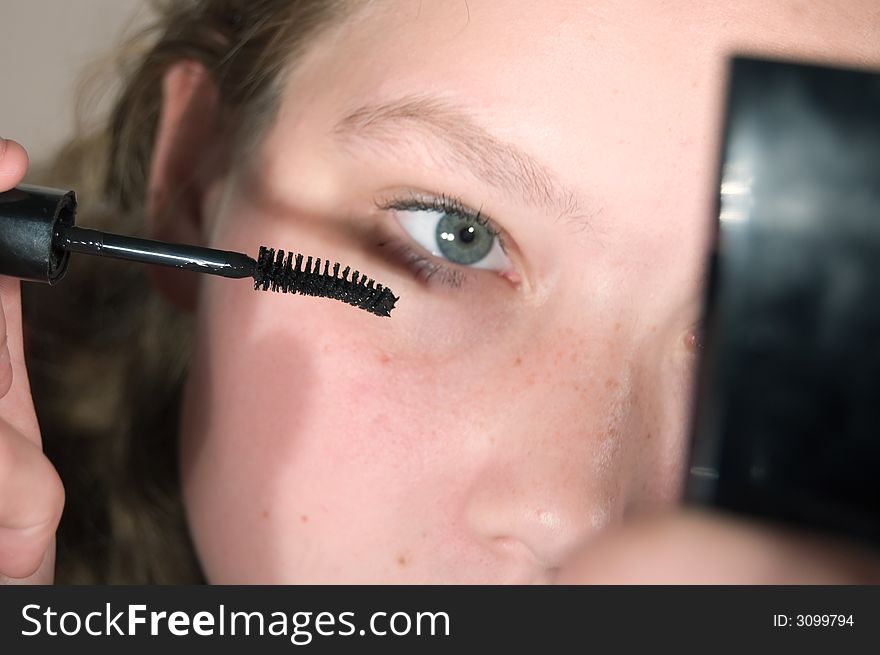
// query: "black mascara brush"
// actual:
[[37, 235]]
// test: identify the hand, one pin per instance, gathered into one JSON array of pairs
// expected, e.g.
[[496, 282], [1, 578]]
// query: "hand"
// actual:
[[31, 495], [701, 547]]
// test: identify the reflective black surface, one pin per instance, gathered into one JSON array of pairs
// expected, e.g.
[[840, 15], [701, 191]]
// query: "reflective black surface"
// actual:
[[224, 263], [29, 216], [788, 397]]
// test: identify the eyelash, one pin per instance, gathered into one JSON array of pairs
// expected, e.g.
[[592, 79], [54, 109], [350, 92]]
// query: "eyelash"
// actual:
[[427, 267]]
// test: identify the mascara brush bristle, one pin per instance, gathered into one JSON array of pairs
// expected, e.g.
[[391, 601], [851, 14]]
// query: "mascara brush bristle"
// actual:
[[292, 275]]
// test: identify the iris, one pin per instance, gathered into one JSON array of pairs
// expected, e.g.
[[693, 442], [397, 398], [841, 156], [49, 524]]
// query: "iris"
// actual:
[[462, 240]]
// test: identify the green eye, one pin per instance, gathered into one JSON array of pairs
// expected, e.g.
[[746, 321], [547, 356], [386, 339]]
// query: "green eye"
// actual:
[[462, 240]]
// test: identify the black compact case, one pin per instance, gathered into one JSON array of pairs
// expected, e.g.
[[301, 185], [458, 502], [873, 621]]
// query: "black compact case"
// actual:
[[787, 422]]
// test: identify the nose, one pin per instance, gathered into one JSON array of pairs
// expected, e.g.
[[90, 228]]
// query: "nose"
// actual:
[[541, 493], [536, 522], [583, 445]]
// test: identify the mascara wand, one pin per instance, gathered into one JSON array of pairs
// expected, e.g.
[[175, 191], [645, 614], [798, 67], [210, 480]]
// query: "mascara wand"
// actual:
[[37, 235]]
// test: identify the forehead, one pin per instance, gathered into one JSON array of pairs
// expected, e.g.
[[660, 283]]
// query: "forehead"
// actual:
[[568, 63], [538, 43], [573, 81]]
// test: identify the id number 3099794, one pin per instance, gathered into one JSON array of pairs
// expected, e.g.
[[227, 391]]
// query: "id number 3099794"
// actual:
[[812, 620]]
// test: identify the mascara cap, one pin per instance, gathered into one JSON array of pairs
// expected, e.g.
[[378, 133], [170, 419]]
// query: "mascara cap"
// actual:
[[29, 216]]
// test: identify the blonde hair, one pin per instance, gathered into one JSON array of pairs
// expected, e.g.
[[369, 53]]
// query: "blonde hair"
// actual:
[[107, 356]]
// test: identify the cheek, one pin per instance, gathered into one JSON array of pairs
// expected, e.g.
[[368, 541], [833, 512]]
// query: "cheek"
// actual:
[[308, 423]]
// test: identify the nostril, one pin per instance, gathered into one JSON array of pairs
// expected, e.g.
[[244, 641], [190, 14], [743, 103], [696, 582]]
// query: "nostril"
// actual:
[[539, 538], [517, 550], [542, 534]]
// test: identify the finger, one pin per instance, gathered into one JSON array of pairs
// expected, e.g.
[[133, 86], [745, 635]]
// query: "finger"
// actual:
[[702, 548], [31, 501], [45, 573], [31, 494], [16, 404], [13, 164]]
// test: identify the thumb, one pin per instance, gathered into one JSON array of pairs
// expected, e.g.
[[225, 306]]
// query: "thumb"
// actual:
[[13, 164], [31, 494], [16, 403]]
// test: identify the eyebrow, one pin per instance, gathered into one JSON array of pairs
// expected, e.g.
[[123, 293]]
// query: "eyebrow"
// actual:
[[490, 159]]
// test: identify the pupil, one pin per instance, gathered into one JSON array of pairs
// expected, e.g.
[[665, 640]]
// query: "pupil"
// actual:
[[467, 234]]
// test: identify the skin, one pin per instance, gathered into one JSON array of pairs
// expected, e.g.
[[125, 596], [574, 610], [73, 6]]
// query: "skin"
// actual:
[[529, 425], [31, 494]]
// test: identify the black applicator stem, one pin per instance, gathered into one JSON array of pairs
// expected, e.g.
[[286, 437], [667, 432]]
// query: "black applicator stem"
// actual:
[[190, 258]]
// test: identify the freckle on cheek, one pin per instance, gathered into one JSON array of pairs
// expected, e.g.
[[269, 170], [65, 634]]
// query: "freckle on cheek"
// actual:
[[264, 514], [517, 361], [384, 358], [303, 518], [401, 560]]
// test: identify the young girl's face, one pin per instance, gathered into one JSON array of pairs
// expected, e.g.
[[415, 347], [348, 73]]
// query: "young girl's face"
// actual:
[[532, 385]]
